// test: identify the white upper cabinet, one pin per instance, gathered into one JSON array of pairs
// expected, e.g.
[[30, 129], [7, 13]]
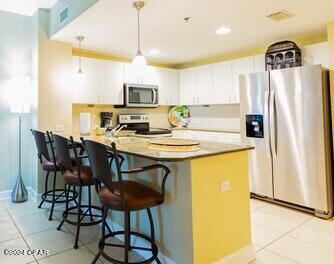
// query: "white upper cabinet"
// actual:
[[196, 86], [240, 66], [188, 92], [173, 96], [130, 73], [151, 75], [111, 82], [317, 54], [259, 63], [86, 84], [204, 85], [162, 82], [222, 83]]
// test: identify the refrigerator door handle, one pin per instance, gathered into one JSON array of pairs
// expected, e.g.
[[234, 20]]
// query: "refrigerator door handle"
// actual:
[[266, 123], [273, 127]]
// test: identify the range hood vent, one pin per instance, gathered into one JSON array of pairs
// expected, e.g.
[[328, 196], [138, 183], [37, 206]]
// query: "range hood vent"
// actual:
[[281, 15]]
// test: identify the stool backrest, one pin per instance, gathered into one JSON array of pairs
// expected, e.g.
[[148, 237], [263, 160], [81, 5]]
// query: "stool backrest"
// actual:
[[98, 158], [42, 140], [63, 152]]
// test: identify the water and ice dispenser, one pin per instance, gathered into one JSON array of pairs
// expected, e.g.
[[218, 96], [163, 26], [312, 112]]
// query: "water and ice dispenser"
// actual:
[[254, 126]]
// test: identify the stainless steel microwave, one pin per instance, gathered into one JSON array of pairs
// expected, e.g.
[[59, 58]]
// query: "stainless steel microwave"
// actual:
[[141, 95]]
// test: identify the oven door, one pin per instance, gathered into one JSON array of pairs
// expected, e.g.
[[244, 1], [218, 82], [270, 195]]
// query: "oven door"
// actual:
[[141, 95]]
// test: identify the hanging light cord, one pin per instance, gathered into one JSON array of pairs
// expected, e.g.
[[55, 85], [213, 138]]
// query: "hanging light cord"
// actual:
[[80, 54], [139, 47]]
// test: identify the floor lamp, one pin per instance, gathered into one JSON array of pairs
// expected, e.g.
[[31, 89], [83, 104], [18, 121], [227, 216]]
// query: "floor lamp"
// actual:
[[20, 104]]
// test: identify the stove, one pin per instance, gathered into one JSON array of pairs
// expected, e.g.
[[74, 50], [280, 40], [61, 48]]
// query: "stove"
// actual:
[[141, 124]]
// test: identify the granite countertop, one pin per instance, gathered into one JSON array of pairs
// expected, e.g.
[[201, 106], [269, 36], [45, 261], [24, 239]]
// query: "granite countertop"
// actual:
[[140, 147]]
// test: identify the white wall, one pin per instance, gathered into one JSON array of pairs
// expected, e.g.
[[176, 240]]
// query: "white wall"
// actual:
[[225, 117], [15, 59]]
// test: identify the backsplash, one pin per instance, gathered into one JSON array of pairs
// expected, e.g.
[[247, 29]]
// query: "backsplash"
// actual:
[[206, 117], [215, 117], [158, 116]]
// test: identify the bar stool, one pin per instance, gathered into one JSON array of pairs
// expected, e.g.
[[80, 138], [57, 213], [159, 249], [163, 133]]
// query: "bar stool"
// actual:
[[79, 176], [125, 196], [47, 158]]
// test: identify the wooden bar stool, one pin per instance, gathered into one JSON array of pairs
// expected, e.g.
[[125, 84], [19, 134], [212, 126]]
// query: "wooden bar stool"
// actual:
[[49, 163], [79, 176], [125, 196]]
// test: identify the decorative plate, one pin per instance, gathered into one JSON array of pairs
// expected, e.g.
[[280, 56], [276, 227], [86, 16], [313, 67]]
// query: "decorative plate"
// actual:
[[179, 116]]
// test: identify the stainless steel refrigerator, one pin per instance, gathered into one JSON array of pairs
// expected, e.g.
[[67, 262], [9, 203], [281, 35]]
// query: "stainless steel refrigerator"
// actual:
[[285, 115]]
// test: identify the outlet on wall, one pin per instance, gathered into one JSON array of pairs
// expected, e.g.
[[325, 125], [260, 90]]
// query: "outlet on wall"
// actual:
[[59, 128], [225, 186]]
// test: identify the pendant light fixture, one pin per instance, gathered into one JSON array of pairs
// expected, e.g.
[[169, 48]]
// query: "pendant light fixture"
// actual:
[[80, 39], [139, 61]]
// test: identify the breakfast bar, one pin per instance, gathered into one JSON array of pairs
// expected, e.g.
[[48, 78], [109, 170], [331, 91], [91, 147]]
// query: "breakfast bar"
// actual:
[[206, 217]]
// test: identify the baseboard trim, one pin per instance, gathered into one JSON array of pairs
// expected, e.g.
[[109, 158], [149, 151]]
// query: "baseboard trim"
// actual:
[[5, 195], [140, 243], [33, 195], [243, 256]]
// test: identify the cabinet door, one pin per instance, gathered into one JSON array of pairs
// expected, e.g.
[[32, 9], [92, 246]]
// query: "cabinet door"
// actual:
[[151, 76], [111, 82], [222, 83], [259, 63], [188, 86], [173, 91], [204, 85], [240, 66], [130, 73], [86, 85], [317, 54], [163, 86]]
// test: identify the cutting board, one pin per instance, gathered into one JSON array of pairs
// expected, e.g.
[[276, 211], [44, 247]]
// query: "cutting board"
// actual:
[[174, 142]]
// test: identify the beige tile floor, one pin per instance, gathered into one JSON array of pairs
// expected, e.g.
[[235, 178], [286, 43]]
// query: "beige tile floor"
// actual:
[[280, 236]]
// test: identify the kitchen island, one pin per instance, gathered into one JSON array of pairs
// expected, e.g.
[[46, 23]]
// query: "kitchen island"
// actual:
[[206, 217]]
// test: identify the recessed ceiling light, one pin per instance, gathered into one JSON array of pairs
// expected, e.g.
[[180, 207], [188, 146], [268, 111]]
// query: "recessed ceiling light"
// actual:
[[155, 52], [223, 30]]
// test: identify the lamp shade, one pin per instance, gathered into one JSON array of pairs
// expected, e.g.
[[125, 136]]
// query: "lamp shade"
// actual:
[[139, 62], [20, 91]]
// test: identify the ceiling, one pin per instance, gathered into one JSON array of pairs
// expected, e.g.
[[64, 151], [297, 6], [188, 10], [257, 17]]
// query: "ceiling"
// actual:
[[110, 26], [25, 7]]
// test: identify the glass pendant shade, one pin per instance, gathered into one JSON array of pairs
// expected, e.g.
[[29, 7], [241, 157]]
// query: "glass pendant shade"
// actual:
[[139, 61]]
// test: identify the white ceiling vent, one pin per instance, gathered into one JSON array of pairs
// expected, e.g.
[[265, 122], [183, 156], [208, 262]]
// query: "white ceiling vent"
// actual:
[[281, 15]]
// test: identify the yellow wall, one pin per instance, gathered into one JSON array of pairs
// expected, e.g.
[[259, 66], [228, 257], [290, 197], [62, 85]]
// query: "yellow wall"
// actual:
[[54, 84], [330, 34], [221, 220]]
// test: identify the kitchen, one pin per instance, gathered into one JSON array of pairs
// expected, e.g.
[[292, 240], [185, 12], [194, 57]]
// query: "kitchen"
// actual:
[[80, 63]]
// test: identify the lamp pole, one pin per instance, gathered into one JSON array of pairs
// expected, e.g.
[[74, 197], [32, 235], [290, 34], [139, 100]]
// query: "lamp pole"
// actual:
[[19, 193]]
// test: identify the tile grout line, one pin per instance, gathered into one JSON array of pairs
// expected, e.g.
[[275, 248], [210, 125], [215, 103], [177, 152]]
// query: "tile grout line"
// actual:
[[22, 235], [284, 235]]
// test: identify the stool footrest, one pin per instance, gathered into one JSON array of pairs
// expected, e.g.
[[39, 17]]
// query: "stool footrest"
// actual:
[[70, 210], [153, 249], [72, 196]]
